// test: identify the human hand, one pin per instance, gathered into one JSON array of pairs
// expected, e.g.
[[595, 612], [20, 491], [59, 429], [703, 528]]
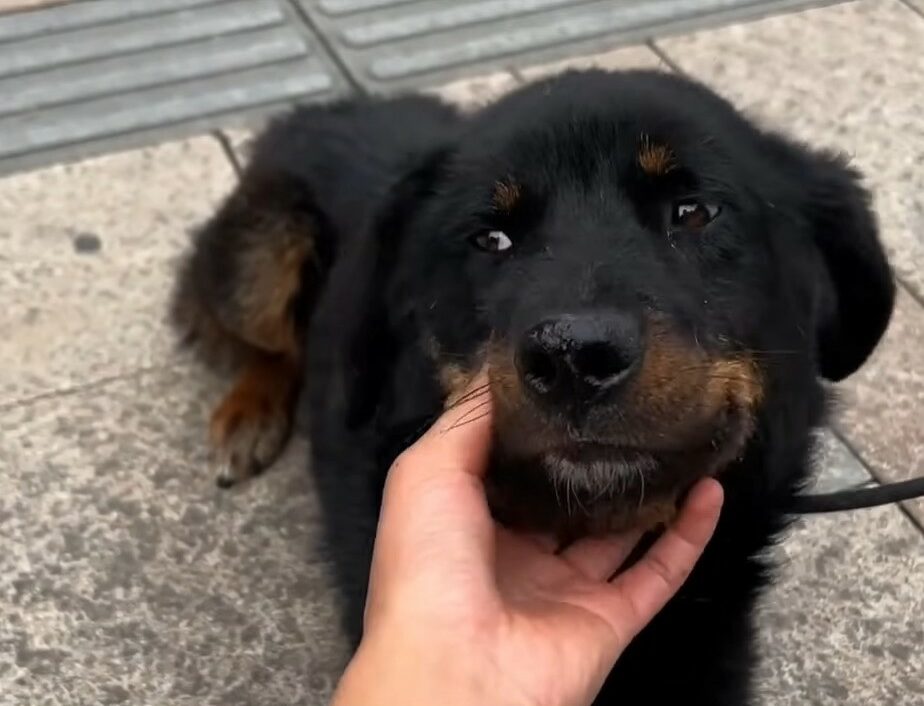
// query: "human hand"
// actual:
[[461, 611]]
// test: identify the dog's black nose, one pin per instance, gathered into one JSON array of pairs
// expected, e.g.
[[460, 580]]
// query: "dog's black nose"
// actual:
[[580, 358]]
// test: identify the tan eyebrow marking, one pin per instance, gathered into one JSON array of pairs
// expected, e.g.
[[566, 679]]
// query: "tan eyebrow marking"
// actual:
[[506, 195], [655, 159]]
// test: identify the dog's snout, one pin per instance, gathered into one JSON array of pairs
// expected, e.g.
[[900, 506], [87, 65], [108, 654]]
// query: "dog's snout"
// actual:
[[579, 358]]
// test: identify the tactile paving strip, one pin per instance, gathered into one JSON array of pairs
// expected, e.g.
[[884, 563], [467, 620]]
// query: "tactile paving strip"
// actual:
[[391, 44], [74, 77]]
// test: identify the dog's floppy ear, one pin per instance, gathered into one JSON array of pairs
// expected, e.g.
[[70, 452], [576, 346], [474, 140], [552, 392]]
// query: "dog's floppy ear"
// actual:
[[856, 301], [854, 286]]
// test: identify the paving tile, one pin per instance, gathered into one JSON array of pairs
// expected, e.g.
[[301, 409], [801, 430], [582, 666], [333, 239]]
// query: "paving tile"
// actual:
[[86, 261], [240, 140], [836, 467], [128, 577], [843, 623], [849, 76], [77, 78], [883, 403], [77, 16], [468, 93], [640, 57], [389, 45], [472, 93], [20, 5]]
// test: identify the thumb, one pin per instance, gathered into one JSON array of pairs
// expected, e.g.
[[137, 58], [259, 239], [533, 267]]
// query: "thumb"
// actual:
[[440, 476], [434, 511], [460, 439], [637, 595]]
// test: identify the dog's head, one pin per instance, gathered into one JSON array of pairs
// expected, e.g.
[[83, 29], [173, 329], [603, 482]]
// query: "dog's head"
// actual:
[[639, 269]]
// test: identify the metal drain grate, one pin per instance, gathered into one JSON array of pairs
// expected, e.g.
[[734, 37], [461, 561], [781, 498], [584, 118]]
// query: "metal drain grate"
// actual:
[[390, 44], [75, 77]]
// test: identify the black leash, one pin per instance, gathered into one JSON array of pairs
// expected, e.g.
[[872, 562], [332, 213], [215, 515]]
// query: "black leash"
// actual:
[[856, 499]]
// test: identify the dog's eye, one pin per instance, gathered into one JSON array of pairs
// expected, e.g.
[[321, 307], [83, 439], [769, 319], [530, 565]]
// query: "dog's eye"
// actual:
[[492, 241], [693, 215]]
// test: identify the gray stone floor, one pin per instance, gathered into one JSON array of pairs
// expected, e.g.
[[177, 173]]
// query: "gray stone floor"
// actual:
[[125, 577]]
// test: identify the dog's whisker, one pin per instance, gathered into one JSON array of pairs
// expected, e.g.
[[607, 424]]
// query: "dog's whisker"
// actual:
[[476, 390], [471, 395], [555, 484], [569, 482], [641, 479], [604, 489], [471, 398], [461, 423], [771, 351], [475, 408], [730, 378], [577, 500], [709, 373]]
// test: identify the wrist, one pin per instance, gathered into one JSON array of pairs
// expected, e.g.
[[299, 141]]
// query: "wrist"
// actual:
[[385, 673]]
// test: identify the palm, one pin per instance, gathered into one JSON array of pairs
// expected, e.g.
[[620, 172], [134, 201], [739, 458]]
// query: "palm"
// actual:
[[529, 572], [556, 609]]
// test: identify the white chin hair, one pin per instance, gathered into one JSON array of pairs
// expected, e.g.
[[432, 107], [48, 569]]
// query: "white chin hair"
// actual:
[[600, 477]]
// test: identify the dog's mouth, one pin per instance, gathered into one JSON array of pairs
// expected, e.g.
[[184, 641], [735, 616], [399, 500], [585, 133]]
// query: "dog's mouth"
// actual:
[[627, 464], [585, 457], [578, 486]]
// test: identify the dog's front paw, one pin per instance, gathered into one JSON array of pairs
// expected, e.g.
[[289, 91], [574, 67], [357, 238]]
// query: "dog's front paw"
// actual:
[[250, 427]]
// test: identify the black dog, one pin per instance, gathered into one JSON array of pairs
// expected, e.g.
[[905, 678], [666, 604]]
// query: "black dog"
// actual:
[[654, 285]]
